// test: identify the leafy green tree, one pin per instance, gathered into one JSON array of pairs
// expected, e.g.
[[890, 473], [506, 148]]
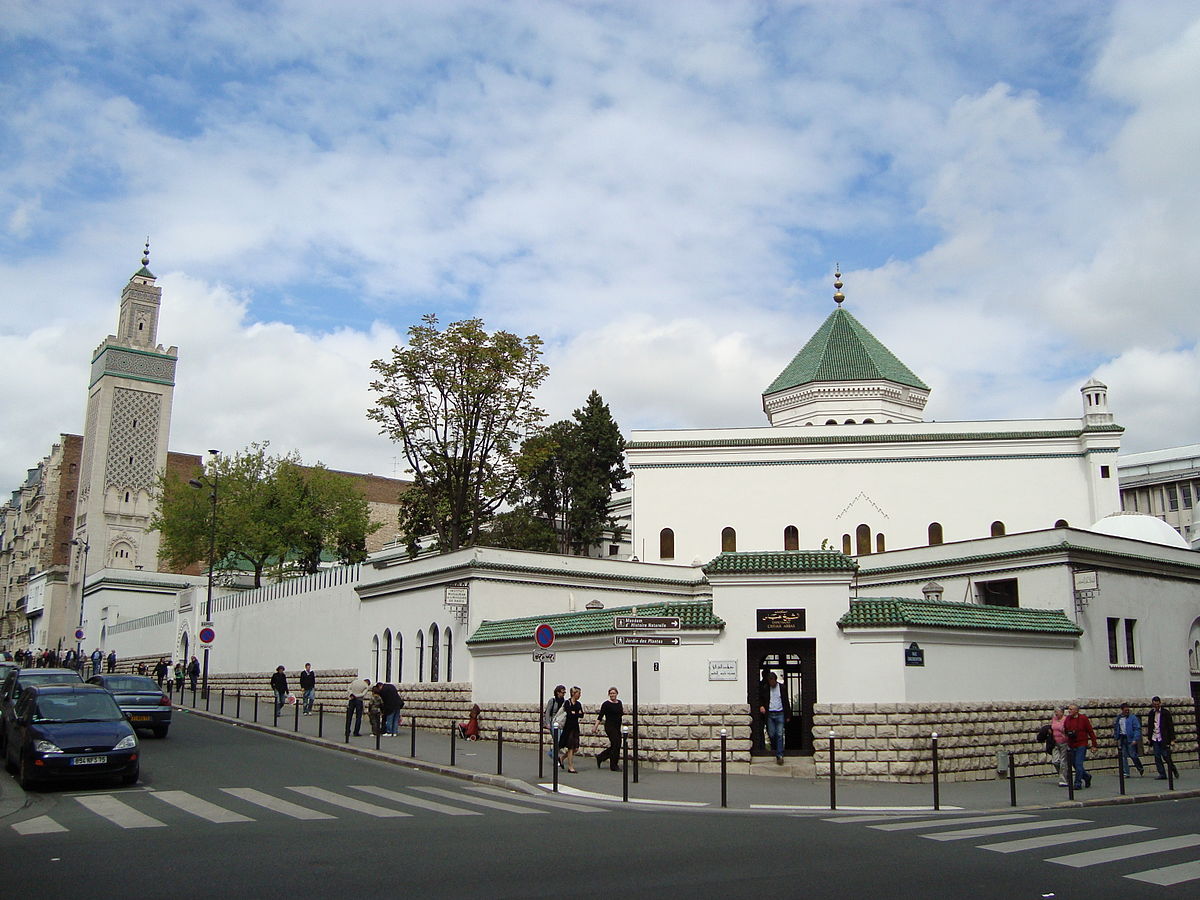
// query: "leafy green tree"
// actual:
[[459, 401], [325, 515]]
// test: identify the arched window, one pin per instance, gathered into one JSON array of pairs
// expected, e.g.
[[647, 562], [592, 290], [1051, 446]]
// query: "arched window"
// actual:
[[791, 538], [831, 421], [846, 548], [399, 656], [434, 652], [1061, 523], [935, 533], [387, 654], [420, 656], [666, 544], [375, 656], [868, 421], [997, 529], [849, 422], [879, 545], [728, 540], [449, 639], [862, 540]]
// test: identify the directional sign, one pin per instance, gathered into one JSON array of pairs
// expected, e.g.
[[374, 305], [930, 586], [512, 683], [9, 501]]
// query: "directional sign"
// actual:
[[646, 623], [543, 656], [644, 640], [207, 635], [544, 636]]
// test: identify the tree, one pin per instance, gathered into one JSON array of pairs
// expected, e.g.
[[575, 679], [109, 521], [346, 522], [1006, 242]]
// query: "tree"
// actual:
[[324, 514], [459, 402]]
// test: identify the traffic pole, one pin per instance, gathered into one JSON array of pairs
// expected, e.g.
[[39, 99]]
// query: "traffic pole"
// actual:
[[541, 726], [635, 716]]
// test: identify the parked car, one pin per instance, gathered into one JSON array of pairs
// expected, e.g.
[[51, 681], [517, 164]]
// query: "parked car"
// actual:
[[15, 683], [69, 731], [141, 699]]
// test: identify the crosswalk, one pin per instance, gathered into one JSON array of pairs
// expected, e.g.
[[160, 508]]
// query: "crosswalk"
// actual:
[[231, 805], [1029, 833]]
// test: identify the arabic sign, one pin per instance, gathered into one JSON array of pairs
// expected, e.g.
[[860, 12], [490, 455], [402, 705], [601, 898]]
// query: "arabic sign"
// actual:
[[644, 640], [646, 623], [722, 670], [781, 620]]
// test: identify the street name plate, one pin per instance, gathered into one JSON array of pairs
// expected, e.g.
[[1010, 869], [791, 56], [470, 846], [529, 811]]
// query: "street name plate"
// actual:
[[543, 656], [644, 640], [646, 623]]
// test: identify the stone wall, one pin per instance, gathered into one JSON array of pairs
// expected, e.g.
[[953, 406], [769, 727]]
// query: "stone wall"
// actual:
[[892, 741]]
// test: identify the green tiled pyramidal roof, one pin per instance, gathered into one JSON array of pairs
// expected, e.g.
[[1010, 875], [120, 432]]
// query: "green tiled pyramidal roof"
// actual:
[[692, 615], [843, 350], [890, 612], [763, 563]]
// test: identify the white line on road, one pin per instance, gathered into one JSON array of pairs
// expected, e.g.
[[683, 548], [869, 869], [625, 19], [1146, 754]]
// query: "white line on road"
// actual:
[[482, 801], [971, 833], [592, 795], [848, 820], [1128, 851], [190, 803], [1188, 871], [419, 802], [957, 820], [379, 812], [542, 801], [40, 825], [118, 813], [258, 798], [1071, 837]]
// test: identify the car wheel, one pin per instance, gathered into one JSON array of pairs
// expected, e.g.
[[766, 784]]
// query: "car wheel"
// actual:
[[160, 731], [130, 777], [25, 775]]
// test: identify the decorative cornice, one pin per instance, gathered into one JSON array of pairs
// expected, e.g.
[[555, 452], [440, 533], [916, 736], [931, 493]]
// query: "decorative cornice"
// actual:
[[817, 439]]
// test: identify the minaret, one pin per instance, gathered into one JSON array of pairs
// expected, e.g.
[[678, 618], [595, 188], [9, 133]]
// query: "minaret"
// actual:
[[125, 435], [1095, 403]]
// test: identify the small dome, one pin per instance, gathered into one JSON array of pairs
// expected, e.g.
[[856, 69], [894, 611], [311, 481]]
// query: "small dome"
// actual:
[[1140, 527]]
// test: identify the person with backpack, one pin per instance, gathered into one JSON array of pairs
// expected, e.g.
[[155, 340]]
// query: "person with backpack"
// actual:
[[554, 720]]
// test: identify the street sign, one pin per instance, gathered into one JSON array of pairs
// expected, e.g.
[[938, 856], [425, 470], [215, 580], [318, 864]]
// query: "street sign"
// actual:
[[207, 635], [543, 656], [79, 635], [646, 623], [543, 635], [644, 640]]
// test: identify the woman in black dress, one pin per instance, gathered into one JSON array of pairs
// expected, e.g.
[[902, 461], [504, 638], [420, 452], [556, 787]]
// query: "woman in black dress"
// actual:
[[570, 733]]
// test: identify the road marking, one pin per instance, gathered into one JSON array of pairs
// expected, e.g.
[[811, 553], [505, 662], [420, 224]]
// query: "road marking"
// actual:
[[258, 798], [957, 820], [1128, 851], [1188, 871], [592, 795], [197, 807], [854, 820], [1071, 837], [379, 812], [542, 801], [970, 833], [118, 813], [40, 825], [482, 801], [419, 802]]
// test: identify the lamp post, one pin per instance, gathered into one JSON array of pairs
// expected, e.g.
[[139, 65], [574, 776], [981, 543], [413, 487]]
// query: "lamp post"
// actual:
[[212, 554], [82, 578]]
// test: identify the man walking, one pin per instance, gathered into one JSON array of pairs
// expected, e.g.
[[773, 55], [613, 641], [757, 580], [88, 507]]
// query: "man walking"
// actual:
[[611, 713], [1127, 731], [308, 684], [280, 686], [775, 709], [1160, 726], [1080, 735]]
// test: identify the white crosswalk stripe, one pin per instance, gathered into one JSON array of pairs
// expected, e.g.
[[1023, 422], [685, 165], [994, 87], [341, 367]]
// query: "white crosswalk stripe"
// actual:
[[1070, 837], [351, 803], [956, 820], [198, 807], [119, 813], [1169, 875], [483, 801], [419, 802], [39, 825], [275, 804], [966, 834], [1127, 851], [540, 801]]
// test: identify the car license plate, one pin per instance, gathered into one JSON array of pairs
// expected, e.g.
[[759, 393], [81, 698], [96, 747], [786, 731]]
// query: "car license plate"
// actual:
[[139, 718], [89, 760]]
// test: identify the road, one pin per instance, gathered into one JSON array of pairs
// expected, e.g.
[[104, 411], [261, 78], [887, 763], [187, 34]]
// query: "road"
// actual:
[[226, 811]]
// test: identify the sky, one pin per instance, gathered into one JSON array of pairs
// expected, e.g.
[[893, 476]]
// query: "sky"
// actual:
[[660, 191]]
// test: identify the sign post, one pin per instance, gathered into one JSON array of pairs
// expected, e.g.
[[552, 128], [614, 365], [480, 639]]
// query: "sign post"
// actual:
[[633, 641], [543, 636]]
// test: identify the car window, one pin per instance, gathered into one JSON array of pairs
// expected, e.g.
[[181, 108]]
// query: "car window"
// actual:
[[76, 708], [127, 683]]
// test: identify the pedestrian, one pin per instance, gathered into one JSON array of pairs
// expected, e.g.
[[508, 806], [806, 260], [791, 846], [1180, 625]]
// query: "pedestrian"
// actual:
[[375, 709], [160, 670], [1056, 743], [141, 670], [112, 661], [1080, 735], [554, 717], [308, 684], [570, 732], [1160, 727], [611, 713], [392, 704], [1127, 731], [357, 692], [280, 686], [97, 660], [193, 671], [469, 730], [179, 676], [776, 709]]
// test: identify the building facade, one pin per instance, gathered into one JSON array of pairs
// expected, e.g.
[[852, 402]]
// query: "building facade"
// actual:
[[1164, 484]]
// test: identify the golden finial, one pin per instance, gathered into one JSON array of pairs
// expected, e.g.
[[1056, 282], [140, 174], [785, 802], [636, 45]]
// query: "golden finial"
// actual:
[[838, 296], [146, 252]]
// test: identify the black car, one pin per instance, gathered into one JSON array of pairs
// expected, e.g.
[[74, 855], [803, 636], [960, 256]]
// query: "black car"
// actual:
[[17, 680], [69, 731], [141, 699]]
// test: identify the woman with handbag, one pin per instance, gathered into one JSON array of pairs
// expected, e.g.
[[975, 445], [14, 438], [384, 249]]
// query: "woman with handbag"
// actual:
[[554, 718], [570, 734]]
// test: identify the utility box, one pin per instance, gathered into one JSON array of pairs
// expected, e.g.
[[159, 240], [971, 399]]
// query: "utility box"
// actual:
[[1002, 763]]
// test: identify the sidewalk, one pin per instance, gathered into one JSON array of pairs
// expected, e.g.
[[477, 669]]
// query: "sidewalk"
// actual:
[[477, 760]]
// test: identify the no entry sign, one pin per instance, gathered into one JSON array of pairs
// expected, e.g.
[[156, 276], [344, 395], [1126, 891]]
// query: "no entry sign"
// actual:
[[543, 635]]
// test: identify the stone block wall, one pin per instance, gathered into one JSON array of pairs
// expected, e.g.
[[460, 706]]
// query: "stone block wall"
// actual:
[[892, 741]]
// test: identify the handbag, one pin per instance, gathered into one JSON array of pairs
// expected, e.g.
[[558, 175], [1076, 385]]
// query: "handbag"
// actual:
[[559, 719]]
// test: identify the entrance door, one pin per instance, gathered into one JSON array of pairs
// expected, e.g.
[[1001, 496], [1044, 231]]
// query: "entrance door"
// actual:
[[794, 662]]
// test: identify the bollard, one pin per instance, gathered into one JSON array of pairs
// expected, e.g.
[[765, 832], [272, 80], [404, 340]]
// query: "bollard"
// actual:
[[349, 719], [1070, 774], [554, 750], [238, 708], [1121, 756], [937, 800], [500, 750], [207, 700], [1170, 770], [256, 709], [378, 734], [296, 716], [624, 763], [832, 774], [723, 773], [193, 698], [453, 740], [412, 747], [222, 701], [320, 720], [275, 720], [1012, 780]]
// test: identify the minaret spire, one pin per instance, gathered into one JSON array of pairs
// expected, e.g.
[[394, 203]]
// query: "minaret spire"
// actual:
[[838, 296], [146, 252]]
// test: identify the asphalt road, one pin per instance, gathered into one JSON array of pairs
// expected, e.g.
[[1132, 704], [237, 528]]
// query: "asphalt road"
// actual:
[[223, 811]]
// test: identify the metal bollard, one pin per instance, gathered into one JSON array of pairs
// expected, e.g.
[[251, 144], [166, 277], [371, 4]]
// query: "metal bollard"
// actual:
[[1121, 754], [238, 708], [222, 701], [256, 709], [296, 716], [1070, 774], [193, 698], [724, 795], [832, 774], [554, 762], [500, 750], [1170, 771], [378, 734], [1012, 780], [624, 763], [412, 747], [320, 720], [937, 800], [453, 740], [207, 700]]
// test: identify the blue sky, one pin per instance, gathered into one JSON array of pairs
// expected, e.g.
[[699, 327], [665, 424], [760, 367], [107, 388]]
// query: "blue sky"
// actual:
[[660, 191]]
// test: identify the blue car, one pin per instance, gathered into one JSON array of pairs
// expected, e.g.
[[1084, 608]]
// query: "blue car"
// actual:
[[69, 731]]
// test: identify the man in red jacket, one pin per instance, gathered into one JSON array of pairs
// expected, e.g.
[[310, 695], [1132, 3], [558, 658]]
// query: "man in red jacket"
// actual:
[[1079, 735]]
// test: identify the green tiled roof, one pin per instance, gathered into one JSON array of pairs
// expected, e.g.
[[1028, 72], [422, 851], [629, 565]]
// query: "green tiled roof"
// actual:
[[843, 350], [144, 272], [890, 612], [691, 615], [764, 563]]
